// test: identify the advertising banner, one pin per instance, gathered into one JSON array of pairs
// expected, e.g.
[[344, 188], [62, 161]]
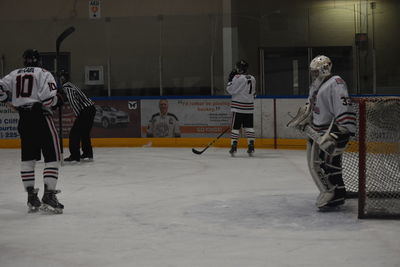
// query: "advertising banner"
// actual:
[[184, 117], [8, 122], [113, 119], [68, 118], [116, 118]]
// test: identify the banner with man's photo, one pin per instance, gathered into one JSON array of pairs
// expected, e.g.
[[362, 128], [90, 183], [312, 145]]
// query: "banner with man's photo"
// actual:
[[195, 117]]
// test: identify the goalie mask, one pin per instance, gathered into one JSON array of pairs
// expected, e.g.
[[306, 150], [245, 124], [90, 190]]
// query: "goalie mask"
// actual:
[[320, 67], [242, 66], [31, 58]]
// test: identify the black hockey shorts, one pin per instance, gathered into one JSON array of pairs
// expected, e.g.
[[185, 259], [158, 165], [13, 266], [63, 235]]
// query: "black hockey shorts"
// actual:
[[245, 120], [38, 135]]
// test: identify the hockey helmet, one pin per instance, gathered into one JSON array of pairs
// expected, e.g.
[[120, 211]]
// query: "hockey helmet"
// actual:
[[242, 66], [31, 58], [64, 76], [320, 67]]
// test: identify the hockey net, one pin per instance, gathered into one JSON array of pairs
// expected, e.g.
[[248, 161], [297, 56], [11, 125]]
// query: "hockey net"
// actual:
[[371, 163]]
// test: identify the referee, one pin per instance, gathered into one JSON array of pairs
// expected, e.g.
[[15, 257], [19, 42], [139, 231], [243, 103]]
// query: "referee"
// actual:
[[84, 111]]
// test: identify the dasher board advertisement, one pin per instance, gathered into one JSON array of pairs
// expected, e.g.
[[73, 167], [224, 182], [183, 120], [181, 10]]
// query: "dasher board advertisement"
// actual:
[[184, 117]]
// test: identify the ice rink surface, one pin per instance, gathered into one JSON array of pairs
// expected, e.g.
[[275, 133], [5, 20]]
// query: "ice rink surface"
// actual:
[[167, 207]]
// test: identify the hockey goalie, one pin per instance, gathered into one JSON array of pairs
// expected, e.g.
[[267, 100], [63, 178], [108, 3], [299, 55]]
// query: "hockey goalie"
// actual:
[[328, 120]]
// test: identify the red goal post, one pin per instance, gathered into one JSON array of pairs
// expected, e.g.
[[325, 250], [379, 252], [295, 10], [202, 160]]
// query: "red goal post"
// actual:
[[371, 163]]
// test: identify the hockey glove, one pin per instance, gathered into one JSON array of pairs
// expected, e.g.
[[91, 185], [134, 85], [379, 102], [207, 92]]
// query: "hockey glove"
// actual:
[[4, 95], [231, 75], [302, 118], [60, 101]]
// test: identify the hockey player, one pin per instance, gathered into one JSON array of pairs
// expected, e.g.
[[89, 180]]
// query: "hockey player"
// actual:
[[330, 113], [163, 123], [33, 92], [242, 87]]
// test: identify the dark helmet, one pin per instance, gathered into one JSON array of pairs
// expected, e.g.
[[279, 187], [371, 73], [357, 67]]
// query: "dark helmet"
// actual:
[[64, 76], [31, 58], [242, 66]]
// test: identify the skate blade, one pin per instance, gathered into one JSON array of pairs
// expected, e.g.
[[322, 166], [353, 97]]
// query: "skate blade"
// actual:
[[72, 162], [251, 154], [32, 209], [50, 210], [329, 209]]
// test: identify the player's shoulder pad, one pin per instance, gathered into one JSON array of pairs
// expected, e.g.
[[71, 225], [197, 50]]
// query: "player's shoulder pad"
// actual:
[[172, 115], [155, 115], [339, 80]]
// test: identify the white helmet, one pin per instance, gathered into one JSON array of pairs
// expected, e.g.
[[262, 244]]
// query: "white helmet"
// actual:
[[320, 66]]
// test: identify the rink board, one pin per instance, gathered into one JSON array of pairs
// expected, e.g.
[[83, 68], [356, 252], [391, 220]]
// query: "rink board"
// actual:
[[175, 142]]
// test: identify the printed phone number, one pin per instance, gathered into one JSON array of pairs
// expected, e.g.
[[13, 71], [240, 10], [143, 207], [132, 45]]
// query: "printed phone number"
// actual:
[[5, 135]]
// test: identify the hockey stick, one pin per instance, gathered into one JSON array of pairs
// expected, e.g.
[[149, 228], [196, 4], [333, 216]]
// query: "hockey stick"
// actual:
[[210, 144], [59, 40]]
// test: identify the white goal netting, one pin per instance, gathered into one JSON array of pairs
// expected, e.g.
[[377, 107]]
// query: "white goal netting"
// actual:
[[371, 163]]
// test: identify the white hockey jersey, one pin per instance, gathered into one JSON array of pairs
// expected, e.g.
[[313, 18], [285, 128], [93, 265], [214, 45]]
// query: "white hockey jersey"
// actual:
[[330, 101], [163, 125], [243, 91], [30, 85]]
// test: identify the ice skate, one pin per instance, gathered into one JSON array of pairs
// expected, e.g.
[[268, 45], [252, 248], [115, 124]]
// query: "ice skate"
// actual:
[[250, 149], [233, 149], [86, 158], [50, 202], [72, 161], [33, 200], [333, 205]]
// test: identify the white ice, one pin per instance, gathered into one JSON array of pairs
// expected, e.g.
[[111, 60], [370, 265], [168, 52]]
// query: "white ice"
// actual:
[[167, 207]]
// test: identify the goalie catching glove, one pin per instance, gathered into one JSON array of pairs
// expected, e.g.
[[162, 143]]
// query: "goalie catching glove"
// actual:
[[302, 118]]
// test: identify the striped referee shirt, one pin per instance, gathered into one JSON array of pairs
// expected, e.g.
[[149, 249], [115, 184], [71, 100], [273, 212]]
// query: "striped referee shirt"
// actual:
[[76, 98]]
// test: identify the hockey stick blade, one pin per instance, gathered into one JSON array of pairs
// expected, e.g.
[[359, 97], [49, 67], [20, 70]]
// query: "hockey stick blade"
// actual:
[[197, 152], [210, 144], [64, 35]]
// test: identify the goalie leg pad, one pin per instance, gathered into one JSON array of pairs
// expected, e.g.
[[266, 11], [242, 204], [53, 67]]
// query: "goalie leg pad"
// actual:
[[320, 177], [334, 169]]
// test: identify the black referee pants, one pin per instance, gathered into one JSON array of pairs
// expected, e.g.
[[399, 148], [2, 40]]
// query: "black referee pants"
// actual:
[[80, 134]]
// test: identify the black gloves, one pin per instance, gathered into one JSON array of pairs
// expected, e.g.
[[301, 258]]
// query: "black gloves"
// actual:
[[231, 75], [60, 101]]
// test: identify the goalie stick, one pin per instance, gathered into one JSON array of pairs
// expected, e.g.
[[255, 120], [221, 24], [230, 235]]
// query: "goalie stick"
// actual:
[[67, 32], [210, 144]]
